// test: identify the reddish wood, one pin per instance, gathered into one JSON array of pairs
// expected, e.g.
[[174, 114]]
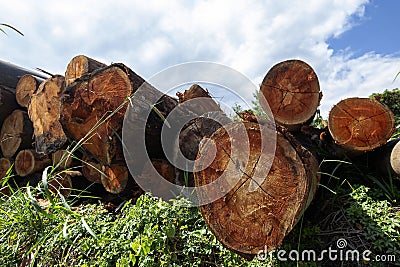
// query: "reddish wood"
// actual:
[[89, 100], [244, 221], [360, 124], [16, 133], [79, 66], [291, 90], [44, 112], [91, 170], [115, 178]]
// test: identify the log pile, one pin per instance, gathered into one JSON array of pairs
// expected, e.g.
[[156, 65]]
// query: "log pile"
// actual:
[[74, 123]]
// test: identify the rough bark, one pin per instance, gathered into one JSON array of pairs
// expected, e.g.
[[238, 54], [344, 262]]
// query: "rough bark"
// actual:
[[16, 133], [89, 100], [360, 124], [10, 74], [246, 221], [27, 85], [291, 89], [44, 112], [7, 102], [29, 161], [79, 66]]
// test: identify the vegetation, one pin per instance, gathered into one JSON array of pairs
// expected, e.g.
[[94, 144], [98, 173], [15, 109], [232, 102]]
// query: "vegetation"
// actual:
[[391, 98], [4, 25]]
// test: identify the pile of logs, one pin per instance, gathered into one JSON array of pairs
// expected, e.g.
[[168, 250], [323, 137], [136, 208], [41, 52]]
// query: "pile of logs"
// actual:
[[74, 123]]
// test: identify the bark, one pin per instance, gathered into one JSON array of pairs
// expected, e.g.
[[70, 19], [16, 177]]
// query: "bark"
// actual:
[[16, 133], [360, 124], [247, 219], [28, 162], [27, 85], [79, 66], [89, 100], [291, 90], [10, 74], [7, 102], [44, 112]]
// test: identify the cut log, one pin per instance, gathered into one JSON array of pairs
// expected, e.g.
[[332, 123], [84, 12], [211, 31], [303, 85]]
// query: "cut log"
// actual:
[[61, 183], [91, 170], [386, 159], [7, 102], [5, 165], [89, 100], [62, 159], [360, 124], [44, 112], [10, 74], [291, 90], [16, 133], [28, 162], [26, 86], [163, 167], [247, 219], [115, 178], [79, 66]]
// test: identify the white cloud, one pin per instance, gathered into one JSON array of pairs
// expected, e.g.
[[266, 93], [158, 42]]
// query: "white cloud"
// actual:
[[250, 36]]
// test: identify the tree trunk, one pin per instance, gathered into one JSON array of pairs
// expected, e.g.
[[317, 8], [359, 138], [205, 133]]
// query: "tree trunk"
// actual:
[[255, 213], [44, 112], [10, 74], [27, 85], [5, 165], [360, 124], [28, 162], [386, 159], [7, 102], [291, 90], [89, 100], [61, 183], [16, 133], [91, 170], [79, 66]]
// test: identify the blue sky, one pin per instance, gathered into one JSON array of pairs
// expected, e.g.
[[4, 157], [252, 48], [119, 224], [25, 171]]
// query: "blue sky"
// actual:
[[352, 44], [378, 30]]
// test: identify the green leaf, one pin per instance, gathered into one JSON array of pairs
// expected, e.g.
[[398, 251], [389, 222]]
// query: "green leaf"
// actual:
[[86, 226]]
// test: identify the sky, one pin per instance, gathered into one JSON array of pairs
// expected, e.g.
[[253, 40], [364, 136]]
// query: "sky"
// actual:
[[352, 45]]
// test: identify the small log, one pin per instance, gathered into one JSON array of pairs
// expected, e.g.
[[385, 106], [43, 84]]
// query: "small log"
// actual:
[[5, 165], [79, 66], [291, 90], [360, 124], [62, 159], [7, 102], [91, 170], [44, 112], [61, 183], [29, 161], [115, 179], [27, 85], [16, 133], [247, 220], [92, 98]]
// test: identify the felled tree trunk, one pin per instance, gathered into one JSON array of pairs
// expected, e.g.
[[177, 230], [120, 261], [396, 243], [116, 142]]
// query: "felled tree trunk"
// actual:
[[291, 90], [87, 103], [256, 213], [115, 178], [91, 170], [62, 159], [5, 165], [28, 161], [16, 133], [44, 112], [386, 159], [360, 124], [79, 66], [7, 102], [10, 74], [27, 85]]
